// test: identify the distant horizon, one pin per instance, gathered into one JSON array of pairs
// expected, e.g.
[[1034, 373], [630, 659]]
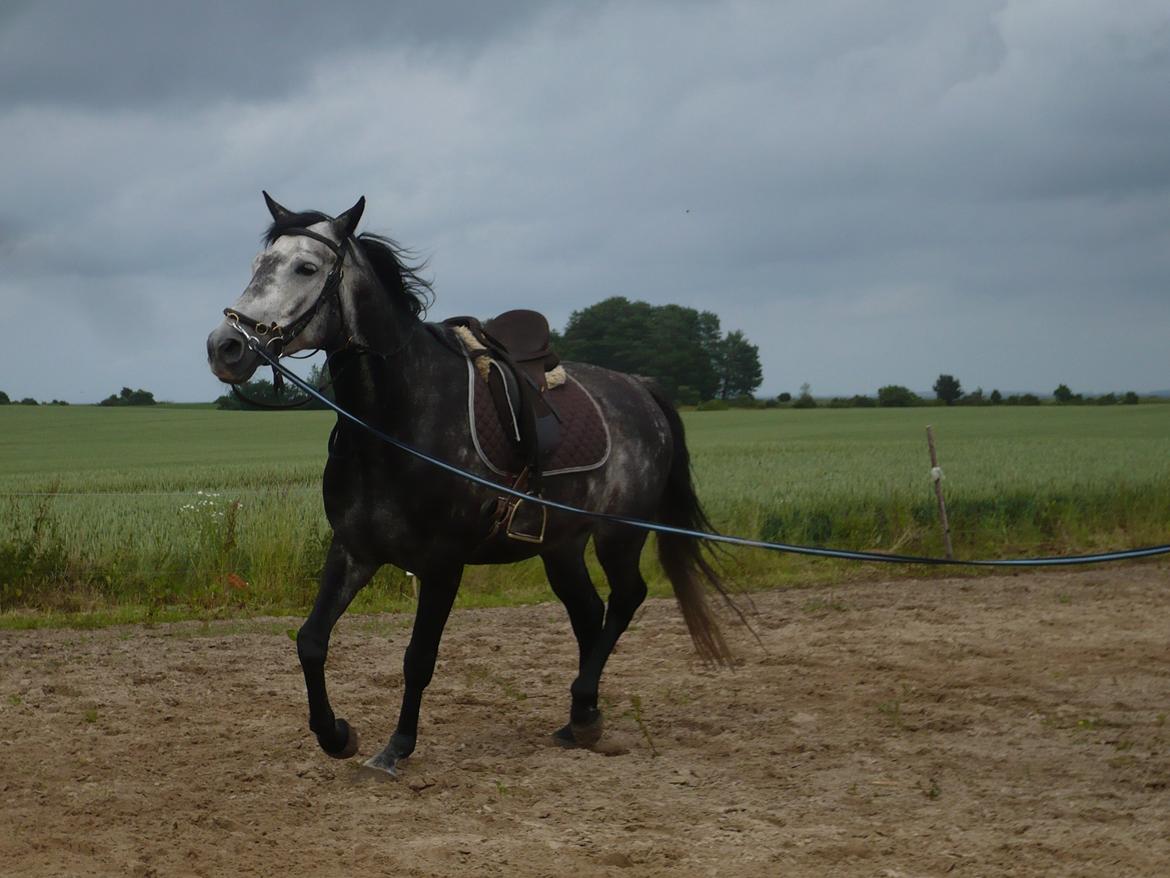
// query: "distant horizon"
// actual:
[[926, 395]]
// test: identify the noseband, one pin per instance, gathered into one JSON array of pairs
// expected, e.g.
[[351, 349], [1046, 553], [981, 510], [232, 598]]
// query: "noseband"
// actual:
[[276, 337]]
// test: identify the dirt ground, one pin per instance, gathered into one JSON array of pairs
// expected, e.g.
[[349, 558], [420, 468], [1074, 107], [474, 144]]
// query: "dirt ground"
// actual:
[[1006, 726]]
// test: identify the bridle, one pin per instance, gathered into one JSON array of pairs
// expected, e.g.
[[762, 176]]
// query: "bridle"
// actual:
[[272, 336]]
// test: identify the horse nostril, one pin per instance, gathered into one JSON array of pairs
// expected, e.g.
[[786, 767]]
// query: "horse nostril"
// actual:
[[230, 350]]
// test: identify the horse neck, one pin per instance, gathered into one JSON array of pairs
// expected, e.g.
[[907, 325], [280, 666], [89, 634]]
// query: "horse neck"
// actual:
[[373, 371]]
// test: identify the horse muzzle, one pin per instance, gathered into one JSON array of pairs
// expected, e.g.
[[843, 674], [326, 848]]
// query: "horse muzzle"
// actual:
[[228, 355]]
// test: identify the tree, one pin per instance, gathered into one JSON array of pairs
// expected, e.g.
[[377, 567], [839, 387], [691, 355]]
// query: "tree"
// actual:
[[948, 389], [4, 400], [996, 397], [1063, 395], [28, 400], [711, 341], [1130, 398], [741, 373], [897, 395], [679, 346]]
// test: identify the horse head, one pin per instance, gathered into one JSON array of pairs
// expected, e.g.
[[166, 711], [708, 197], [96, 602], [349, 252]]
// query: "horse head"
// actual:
[[293, 300]]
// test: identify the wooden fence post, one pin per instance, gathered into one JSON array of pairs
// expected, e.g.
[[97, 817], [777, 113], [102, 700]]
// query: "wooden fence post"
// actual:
[[936, 477]]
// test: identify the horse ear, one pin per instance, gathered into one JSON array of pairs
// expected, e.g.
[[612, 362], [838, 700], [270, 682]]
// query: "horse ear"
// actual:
[[278, 213], [348, 221]]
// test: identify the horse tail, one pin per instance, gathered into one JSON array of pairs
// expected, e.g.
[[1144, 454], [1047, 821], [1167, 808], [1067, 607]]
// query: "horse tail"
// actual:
[[682, 557]]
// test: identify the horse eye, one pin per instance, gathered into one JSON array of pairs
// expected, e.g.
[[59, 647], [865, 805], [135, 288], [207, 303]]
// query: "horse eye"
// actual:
[[306, 268]]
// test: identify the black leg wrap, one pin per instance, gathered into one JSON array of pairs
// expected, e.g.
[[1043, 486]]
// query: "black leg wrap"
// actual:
[[341, 742]]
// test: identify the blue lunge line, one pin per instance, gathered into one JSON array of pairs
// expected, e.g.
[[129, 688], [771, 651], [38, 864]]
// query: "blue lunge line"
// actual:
[[1065, 560]]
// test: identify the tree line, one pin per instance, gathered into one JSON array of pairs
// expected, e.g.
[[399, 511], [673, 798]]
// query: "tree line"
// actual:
[[948, 390], [126, 397]]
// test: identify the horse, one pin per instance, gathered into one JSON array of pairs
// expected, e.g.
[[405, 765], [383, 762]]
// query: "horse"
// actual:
[[360, 299]]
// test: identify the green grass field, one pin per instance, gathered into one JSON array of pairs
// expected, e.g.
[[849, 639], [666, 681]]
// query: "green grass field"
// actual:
[[165, 512]]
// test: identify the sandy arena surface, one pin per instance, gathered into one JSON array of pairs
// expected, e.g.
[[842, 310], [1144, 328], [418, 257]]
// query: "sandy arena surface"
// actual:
[[1007, 726]]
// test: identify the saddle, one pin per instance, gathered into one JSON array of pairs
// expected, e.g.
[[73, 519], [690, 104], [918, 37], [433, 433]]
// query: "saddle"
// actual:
[[512, 353], [520, 425], [524, 337]]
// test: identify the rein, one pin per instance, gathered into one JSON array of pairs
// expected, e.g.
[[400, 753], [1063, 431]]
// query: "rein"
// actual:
[[1058, 561]]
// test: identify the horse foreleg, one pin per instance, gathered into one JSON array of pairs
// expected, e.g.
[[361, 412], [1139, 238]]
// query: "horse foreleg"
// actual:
[[342, 578], [436, 594]]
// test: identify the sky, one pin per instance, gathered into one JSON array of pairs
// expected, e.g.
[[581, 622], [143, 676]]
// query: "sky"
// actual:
[[874, 193]]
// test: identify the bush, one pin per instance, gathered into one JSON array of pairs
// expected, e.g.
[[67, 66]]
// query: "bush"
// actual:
[[897, 395], [1107, 399], [1022, 399], [32, 556], [745, 402], [129, 397], [863, 402], [805, 401], [713, 405], [28, 400]]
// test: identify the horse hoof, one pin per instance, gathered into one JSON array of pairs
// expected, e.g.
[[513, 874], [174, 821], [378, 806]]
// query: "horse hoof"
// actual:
[[587, 735], [351, 741], [564, 736], [381, 765]]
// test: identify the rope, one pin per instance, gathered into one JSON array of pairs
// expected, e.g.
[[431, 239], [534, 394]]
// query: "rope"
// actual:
[[192, 494], [880, 557]]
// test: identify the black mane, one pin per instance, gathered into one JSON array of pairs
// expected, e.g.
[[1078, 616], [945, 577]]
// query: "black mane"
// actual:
[[391, 261]]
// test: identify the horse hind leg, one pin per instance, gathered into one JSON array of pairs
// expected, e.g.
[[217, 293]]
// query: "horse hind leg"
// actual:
[[619, 550], [569, 577]]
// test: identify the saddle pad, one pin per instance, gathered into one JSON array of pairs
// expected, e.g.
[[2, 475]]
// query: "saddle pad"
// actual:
[[584, 441]]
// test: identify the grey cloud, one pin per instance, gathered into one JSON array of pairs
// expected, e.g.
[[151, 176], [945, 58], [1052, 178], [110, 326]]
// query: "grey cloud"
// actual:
[[126, 52], [866, 189]]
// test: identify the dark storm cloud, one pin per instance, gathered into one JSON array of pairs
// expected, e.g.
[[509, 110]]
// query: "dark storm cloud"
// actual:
[[874, 192], [120, 53]]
